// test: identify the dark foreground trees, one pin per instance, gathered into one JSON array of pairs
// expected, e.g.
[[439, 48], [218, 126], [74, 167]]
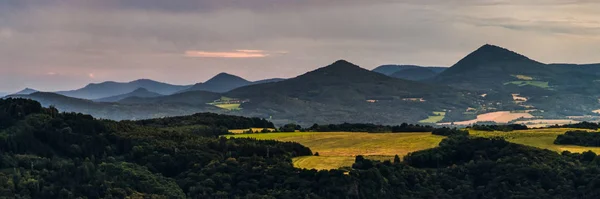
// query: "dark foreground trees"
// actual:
[[51, 155]]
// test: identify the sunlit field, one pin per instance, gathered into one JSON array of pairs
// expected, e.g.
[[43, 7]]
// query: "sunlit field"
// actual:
[[338, 149], [541, 138]]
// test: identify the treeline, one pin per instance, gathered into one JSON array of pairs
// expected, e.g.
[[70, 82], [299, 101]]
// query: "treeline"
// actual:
[[580, 138], [495, 127], [581, 125], [209, 119]]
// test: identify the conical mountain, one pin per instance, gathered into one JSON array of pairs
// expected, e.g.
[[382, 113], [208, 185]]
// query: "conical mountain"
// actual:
[[220, 83], [140, 92], [345, 92], [490, 67]]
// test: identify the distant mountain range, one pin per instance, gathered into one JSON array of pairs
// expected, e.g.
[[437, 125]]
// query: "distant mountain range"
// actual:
[[108, 89], [490, 78]]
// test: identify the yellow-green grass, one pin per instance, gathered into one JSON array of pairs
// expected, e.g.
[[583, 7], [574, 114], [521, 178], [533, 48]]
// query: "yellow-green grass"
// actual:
[[435, 118], [238, 131], [540, 138], [523, 77], [229, 106], [530, 83], [339, 149]]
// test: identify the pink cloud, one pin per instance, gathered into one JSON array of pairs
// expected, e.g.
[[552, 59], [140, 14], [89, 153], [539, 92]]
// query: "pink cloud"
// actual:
[[232, 54]]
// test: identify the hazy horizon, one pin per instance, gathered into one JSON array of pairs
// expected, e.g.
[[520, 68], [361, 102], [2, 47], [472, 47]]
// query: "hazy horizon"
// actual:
[[63, 45]]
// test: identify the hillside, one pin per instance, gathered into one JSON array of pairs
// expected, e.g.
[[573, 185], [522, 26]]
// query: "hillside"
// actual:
[[344, 92], [140, 92], [108, 89], [414, 74]]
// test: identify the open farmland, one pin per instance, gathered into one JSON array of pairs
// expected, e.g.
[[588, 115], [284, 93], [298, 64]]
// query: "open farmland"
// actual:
[[498, 117], [541, 138], [339, 149]]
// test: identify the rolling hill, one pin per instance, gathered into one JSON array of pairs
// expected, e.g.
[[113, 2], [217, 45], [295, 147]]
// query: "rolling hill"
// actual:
[[389, 70], [108, 89], [344, 92], [415, 74], [140, 92]]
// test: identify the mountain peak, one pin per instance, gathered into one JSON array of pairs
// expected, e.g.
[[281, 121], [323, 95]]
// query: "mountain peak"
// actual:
[[140, 90], [26, 91], [497, 53], [341, 65], [225, 77]]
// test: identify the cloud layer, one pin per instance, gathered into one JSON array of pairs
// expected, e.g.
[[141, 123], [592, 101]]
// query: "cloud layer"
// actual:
[[65, 44]]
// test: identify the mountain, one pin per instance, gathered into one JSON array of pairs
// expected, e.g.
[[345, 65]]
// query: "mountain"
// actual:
[[344, 92], [2, 94], [389, 70], [115, 111], [414, 74], [25, 91], [140, 92], [220, 83], [108, 89]]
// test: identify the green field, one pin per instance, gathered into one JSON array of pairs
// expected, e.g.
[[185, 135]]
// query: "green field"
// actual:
[[523, 77], [435, 118], [540, 138], [230, 107], [339, 149], [530, 83]]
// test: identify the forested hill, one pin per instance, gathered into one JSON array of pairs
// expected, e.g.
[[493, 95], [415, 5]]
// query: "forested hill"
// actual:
[[47, 154]]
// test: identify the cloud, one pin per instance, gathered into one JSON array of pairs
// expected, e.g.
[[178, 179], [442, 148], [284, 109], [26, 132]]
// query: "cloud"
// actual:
[[231, 54]]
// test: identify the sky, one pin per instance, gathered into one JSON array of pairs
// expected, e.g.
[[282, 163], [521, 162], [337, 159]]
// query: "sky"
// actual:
[[54, 45]]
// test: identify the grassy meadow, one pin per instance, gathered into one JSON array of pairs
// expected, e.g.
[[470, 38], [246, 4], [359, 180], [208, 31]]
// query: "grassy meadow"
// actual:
[[540, 138], [339, 149], [540, 84], [435, 118]]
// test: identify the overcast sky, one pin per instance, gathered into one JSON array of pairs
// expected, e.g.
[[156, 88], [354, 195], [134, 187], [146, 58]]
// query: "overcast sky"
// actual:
[[65, 44]]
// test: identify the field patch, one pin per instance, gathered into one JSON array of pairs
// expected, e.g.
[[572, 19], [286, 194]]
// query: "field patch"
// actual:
[[435, 118], [523, 77], [239, 131], [228, 103], [338, 149], [539, 84], [540, 138], [498, 117], [545, 123]]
